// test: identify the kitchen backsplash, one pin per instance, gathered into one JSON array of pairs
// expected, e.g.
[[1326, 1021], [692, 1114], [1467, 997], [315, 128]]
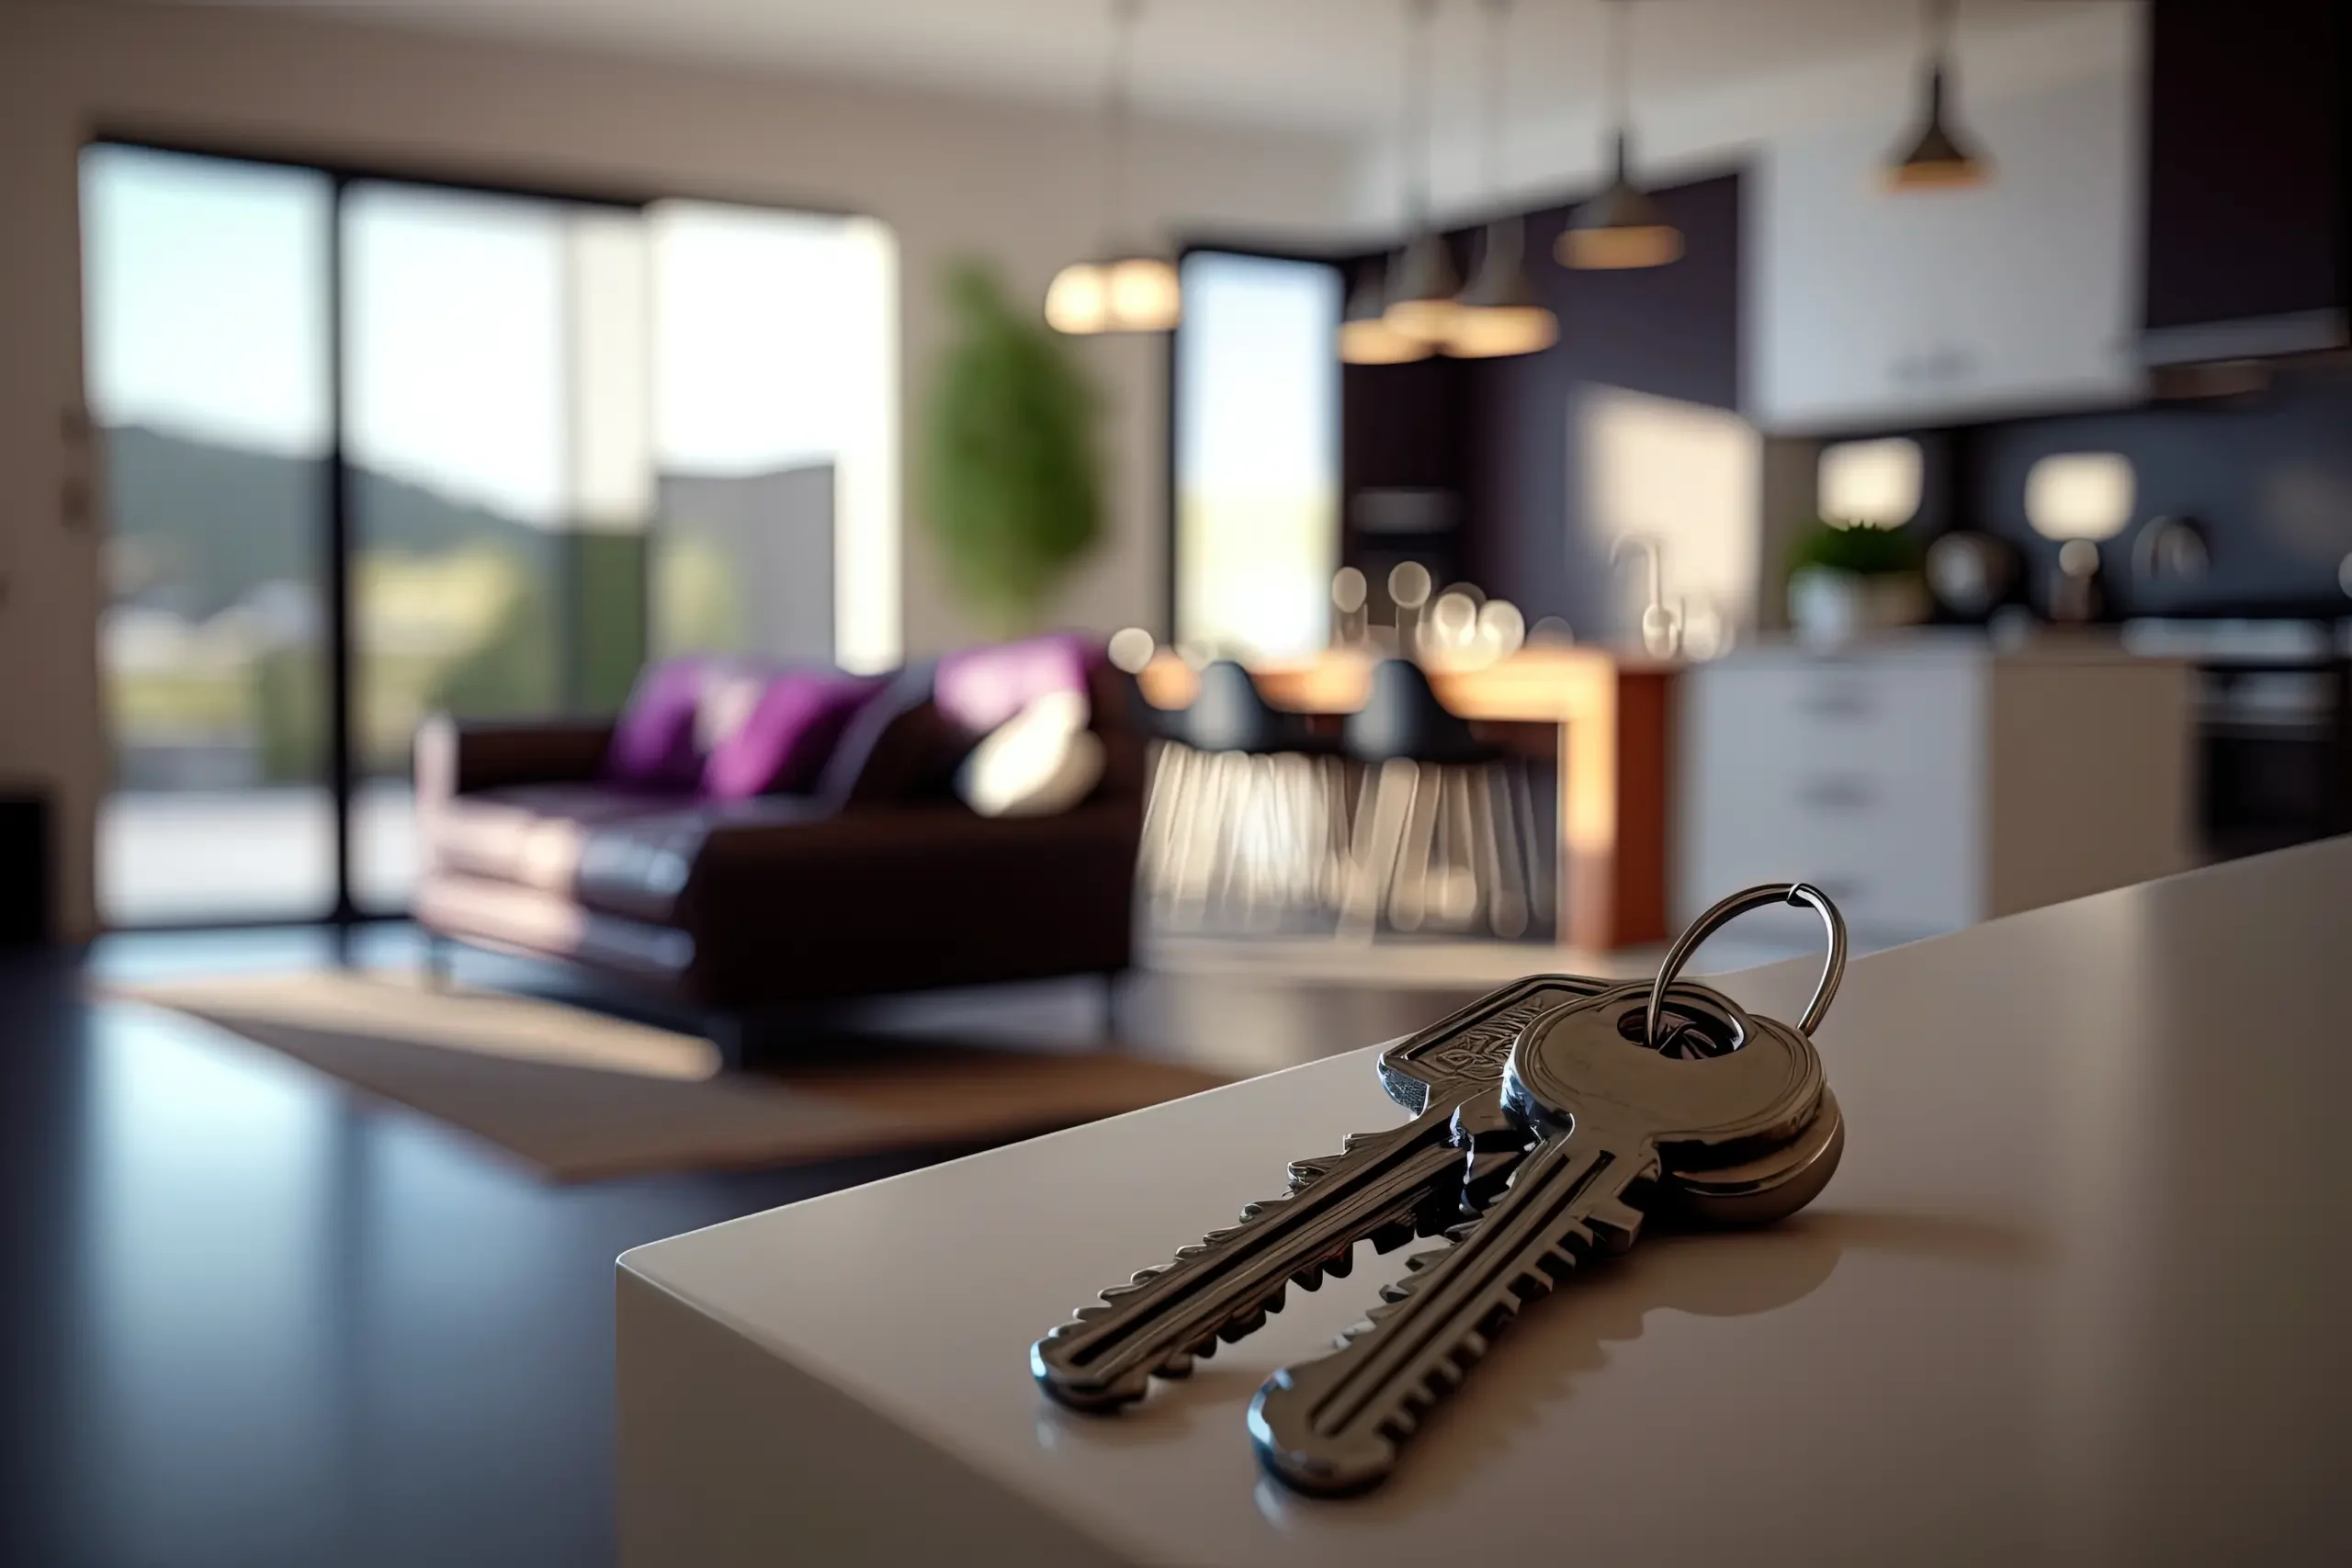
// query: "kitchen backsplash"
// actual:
[[2268, 477]]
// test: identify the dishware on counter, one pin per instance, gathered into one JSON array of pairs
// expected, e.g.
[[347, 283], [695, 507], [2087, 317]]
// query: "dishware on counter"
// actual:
[[2076, 594], [1969, 572]]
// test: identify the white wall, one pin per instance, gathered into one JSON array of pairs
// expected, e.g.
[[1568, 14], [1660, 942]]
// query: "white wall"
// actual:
[[950, 175]]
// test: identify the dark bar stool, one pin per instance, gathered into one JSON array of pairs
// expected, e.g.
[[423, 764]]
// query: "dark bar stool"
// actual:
[[1439, 837], [1242, 803]]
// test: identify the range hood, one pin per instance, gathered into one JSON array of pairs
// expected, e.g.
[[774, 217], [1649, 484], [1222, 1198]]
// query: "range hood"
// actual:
[[2249, 200]]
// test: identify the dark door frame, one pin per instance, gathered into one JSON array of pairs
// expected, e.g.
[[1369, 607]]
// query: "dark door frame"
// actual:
[[343, 770], [1338, 261]]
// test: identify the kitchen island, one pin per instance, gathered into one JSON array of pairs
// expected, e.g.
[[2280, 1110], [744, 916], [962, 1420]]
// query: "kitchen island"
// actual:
[[2074, 1296], [1606, 717]]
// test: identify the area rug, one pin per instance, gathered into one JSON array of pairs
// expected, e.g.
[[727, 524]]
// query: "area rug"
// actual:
[[580, 1095]]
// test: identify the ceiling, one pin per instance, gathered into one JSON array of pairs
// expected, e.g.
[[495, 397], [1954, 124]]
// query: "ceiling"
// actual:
[[1326, 65]]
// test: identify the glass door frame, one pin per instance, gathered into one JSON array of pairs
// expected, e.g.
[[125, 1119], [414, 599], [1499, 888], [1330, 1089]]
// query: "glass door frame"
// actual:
[[1337, 260], [342, 773]]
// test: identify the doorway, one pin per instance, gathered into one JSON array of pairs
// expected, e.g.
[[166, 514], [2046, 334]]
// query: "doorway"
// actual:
[[381, 447]]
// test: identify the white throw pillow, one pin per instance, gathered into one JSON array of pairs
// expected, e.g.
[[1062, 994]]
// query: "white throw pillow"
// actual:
[[1040, 761]]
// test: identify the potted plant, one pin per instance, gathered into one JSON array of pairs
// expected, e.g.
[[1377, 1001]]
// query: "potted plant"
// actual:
[[1012, 480], [1848, 580]]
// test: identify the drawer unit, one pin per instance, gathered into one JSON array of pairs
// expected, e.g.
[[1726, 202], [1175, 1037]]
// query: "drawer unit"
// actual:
[[1875, 778]]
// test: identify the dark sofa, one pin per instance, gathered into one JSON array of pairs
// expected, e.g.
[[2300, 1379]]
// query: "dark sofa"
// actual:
[[874, 879]]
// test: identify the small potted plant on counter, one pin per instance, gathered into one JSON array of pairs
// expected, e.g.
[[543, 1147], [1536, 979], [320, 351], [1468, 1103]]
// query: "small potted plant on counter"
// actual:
[[1848, 580]]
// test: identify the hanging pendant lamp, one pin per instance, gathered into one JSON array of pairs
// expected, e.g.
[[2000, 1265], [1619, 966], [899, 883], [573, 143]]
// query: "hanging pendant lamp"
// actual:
[[1621, 227], [1422, 283], [1934, 159], [1365, 336], [1501, 313], [1131, 290]]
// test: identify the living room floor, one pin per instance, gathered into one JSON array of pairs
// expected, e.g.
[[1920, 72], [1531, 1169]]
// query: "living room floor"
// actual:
[[255, 1319]]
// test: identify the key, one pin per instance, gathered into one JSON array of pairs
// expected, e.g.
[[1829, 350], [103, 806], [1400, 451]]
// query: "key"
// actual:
[[1388, 1187], [1743, 1106]]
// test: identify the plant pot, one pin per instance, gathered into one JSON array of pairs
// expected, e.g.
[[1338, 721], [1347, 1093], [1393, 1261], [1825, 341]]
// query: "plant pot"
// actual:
[[1828, 607]]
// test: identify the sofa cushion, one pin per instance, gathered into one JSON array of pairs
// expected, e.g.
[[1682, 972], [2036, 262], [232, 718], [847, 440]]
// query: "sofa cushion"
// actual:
[[623, 852], [1040, 763], [532, 834], [783, 743], [898, 747], [981, 687], [653, 743]]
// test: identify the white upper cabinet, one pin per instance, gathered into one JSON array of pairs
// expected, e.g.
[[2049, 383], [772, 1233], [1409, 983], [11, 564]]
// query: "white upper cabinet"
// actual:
[[1868, 308]]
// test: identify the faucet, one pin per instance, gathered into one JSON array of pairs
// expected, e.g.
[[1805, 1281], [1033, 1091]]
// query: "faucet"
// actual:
[[1661, 627], [2168, 547]]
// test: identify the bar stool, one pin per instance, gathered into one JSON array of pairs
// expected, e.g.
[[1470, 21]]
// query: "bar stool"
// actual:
[[1247, 803], [1439, 837]]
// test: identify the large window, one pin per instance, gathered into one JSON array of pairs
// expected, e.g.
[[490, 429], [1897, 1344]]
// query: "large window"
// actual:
[[1257, 453], [523, 426], [208, 369]]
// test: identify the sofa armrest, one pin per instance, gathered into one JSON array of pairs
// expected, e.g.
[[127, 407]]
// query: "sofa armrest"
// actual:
[[456, 757]]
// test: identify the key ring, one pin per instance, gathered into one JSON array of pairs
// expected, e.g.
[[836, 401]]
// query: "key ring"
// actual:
[[1743, 902]]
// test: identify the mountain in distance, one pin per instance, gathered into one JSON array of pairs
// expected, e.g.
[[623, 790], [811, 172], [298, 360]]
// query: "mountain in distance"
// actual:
[[203, 525]]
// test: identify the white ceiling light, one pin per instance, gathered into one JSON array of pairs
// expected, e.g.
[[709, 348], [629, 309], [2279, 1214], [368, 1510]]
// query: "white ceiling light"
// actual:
[[1130, 291]]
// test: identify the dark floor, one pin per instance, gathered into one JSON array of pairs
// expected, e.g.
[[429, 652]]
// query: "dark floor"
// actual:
[[250, 1320]]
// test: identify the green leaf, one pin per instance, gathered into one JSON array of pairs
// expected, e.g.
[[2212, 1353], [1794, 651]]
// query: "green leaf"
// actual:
[[1013, 479], [1867, 552]]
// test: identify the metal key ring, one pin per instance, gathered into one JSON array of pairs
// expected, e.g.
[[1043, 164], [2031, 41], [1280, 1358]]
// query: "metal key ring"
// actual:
[[1743, 902]]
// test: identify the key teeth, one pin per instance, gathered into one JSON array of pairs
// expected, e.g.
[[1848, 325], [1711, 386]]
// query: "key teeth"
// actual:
[[1613, 1225], [1304, 1173], [1248, 1322]]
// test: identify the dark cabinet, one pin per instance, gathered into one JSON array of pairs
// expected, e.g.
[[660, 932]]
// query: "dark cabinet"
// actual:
[[2247, 167]]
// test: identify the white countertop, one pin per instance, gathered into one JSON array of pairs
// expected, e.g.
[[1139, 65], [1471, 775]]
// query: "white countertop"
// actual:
[[2043, 645], [2079, 1292]]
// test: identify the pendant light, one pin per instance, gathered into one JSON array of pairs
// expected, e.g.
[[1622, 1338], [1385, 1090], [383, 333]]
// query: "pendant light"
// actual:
[[1936, 159], [1501, 313], [1621, 227], [1365, 336], [1422, 286], [1129, 291]]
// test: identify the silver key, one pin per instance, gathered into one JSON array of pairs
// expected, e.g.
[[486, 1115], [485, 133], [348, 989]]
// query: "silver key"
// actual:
[[1610, 1120], [1388, 1187]]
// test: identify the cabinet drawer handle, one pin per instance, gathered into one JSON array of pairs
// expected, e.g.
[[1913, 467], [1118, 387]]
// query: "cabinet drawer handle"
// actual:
[[1835, 794], [1835, 701]]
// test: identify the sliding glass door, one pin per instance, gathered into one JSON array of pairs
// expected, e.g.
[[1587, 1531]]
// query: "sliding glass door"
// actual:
[[495, 417], [209, 365], [380, 449]]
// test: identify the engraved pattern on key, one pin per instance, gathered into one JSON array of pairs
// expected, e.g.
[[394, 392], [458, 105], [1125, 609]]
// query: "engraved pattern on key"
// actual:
[[1388, 1187], [1605, 1113]]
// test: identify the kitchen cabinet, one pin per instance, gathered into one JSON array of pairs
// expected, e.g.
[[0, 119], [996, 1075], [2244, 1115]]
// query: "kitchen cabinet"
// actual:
[[1930, 783], [2250, 143], [1868, 309]]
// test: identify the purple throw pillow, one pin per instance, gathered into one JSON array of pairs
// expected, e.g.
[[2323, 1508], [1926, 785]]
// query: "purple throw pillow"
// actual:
[[783, 744], [654, 742], [981, 687]]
